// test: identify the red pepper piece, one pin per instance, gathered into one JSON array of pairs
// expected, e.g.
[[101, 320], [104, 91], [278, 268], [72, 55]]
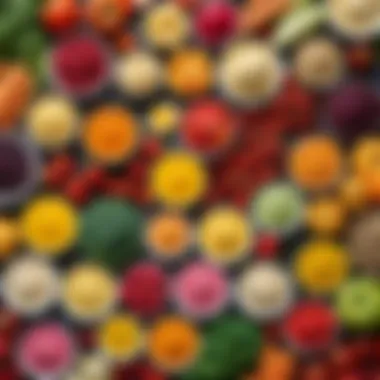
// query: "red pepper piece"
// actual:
[[95, 177], [78, 190], [59, 171]]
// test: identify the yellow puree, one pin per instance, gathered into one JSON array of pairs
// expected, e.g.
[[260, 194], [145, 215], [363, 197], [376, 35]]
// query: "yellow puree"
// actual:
[[321, 266], [178, 179], [50, 225], [224, 235], [89, 291], [121, 337]]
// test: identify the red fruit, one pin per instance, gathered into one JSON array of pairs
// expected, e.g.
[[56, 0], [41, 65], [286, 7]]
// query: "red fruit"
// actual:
[[78, 190], [208, 127], [59, 16]]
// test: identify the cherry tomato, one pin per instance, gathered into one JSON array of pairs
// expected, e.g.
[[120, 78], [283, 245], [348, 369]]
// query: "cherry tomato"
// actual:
[[108, 16], [60, 16]]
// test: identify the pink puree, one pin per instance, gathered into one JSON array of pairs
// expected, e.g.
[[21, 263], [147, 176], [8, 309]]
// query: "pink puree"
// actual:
[[201, 290], [46, 349]]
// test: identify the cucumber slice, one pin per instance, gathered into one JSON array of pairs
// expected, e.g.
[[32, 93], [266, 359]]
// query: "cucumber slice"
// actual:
[[298, 23]]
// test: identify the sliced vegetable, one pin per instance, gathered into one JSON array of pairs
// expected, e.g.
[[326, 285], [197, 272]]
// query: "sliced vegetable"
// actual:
[[299, 23]]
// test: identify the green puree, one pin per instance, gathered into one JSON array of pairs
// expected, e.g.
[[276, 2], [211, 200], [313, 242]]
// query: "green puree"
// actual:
[[231, 347], [112, 233]]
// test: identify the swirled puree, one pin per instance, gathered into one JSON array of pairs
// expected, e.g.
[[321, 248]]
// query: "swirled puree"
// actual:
[[139, 74], [355, 18], [30, 285], [166, 26], [319, 64], [264, 291], [223, 235], [250, 73]]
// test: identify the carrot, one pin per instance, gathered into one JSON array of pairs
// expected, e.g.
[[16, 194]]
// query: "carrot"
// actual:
[[259, 14], [15, 91]]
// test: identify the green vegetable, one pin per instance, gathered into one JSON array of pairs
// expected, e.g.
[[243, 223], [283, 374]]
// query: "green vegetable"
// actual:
[[300, 22], [14, 17]]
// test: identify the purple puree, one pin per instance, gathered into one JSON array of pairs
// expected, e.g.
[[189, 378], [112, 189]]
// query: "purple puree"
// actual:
[[13, 166], [354, 110]]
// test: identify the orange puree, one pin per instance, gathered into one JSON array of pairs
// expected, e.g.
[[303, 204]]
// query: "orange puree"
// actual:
[[315, 162], [168, 234], [173, 343], [190, 73], [110, 134]]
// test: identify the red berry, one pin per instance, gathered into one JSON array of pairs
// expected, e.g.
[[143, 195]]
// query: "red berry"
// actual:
[[120, 188], [267, 246], [95, 177], [59, 171], [78, 191]]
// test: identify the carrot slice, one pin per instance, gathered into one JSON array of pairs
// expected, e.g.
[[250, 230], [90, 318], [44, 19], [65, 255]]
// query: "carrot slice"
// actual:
[[259, 14]]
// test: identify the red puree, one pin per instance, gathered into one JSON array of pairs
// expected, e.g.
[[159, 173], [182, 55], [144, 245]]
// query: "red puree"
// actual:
[[208, 126], [144, 289], [80, 64], [310, 326]]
